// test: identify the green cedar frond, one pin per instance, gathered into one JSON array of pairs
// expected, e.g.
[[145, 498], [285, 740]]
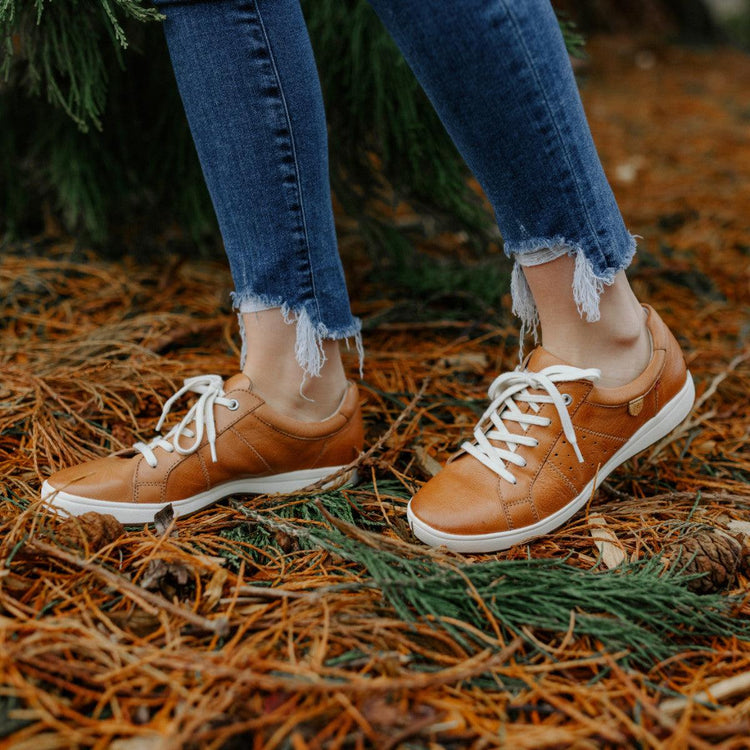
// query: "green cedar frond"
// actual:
[[59, 45], [639, 608]]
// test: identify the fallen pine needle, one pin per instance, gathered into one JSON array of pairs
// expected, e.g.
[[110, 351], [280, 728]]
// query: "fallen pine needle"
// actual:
[[140, 596], [728, 688]]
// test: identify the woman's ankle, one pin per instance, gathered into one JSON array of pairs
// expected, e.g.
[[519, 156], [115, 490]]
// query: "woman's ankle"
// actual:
[[308, 400], [620, 358], [272, 366], [618, 343]]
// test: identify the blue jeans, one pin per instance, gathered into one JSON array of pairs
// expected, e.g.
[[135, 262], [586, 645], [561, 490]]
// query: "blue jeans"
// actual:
[[499, 77]]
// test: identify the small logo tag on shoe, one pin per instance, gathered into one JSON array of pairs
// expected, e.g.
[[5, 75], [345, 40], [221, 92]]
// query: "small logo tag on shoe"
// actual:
[[635, 407]]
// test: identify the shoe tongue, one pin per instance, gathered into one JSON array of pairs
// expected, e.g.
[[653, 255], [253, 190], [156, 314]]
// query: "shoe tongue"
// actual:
[[539, 359], [239, 381], [535, 361]]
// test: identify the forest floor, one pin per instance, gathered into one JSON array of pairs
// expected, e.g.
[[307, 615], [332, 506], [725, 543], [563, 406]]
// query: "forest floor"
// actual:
[[294, 623]]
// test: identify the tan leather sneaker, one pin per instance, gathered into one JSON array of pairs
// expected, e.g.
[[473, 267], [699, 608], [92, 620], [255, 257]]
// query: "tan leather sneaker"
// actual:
[[546, 442], [229, 442]]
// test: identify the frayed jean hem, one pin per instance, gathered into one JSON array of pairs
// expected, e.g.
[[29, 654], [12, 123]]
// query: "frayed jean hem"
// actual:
[[588, 282], [308, 348]]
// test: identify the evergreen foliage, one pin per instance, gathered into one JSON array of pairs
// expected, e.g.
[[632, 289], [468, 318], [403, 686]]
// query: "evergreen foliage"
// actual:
[[62, 50], [640, 610], [96, 134], [103, 148]]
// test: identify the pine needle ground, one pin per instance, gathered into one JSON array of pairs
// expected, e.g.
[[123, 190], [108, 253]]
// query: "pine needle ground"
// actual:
[[310, 623]]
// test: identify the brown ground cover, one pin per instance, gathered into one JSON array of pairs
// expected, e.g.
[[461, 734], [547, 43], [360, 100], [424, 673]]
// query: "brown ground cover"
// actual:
[[271, 623]]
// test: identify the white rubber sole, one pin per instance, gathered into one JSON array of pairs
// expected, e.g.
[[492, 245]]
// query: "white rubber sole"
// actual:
[[137, 513], [656, 428]]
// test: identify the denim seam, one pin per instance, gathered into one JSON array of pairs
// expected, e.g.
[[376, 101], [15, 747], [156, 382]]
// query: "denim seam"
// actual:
[[294, 153], [553, 120]]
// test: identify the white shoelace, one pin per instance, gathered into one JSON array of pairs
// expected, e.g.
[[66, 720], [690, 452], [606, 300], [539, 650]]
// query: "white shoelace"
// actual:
[[510, 388], [211, 390]]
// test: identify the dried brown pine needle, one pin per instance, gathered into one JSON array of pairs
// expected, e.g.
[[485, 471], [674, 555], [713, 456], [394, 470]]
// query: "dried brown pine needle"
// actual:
[[226, 634]]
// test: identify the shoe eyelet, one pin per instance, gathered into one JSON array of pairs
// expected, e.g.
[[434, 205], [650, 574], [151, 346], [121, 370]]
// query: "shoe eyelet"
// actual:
[[567, 399], [233, 405]]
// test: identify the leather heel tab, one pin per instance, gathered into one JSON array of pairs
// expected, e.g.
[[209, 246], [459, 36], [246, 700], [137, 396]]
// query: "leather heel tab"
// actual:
[[660, 334], [350, 402]]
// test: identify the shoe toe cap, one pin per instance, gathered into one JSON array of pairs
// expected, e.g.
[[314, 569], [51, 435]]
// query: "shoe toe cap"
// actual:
[[101, 479], [463, 499]]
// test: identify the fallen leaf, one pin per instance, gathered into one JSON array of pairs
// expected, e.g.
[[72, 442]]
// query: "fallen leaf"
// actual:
[[137, 622], [426, 462], [140, 742], [739, 527], [215, 588], [606, 541], [163, 519], [475, 361], [169, 578]]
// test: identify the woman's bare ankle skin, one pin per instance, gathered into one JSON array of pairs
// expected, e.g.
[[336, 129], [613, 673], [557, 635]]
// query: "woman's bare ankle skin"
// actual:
[[271, 365], [618, 343]]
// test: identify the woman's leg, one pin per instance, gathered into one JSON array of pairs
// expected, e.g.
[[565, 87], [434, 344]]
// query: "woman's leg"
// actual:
[[251, 92], [610, 379], [499, 76]]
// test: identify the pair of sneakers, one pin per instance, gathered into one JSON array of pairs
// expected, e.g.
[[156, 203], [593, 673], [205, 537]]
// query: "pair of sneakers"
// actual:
[[548, 438]]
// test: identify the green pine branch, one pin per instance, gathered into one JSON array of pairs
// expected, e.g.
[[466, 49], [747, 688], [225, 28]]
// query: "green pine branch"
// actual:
[[640, 608], [57, 48]]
